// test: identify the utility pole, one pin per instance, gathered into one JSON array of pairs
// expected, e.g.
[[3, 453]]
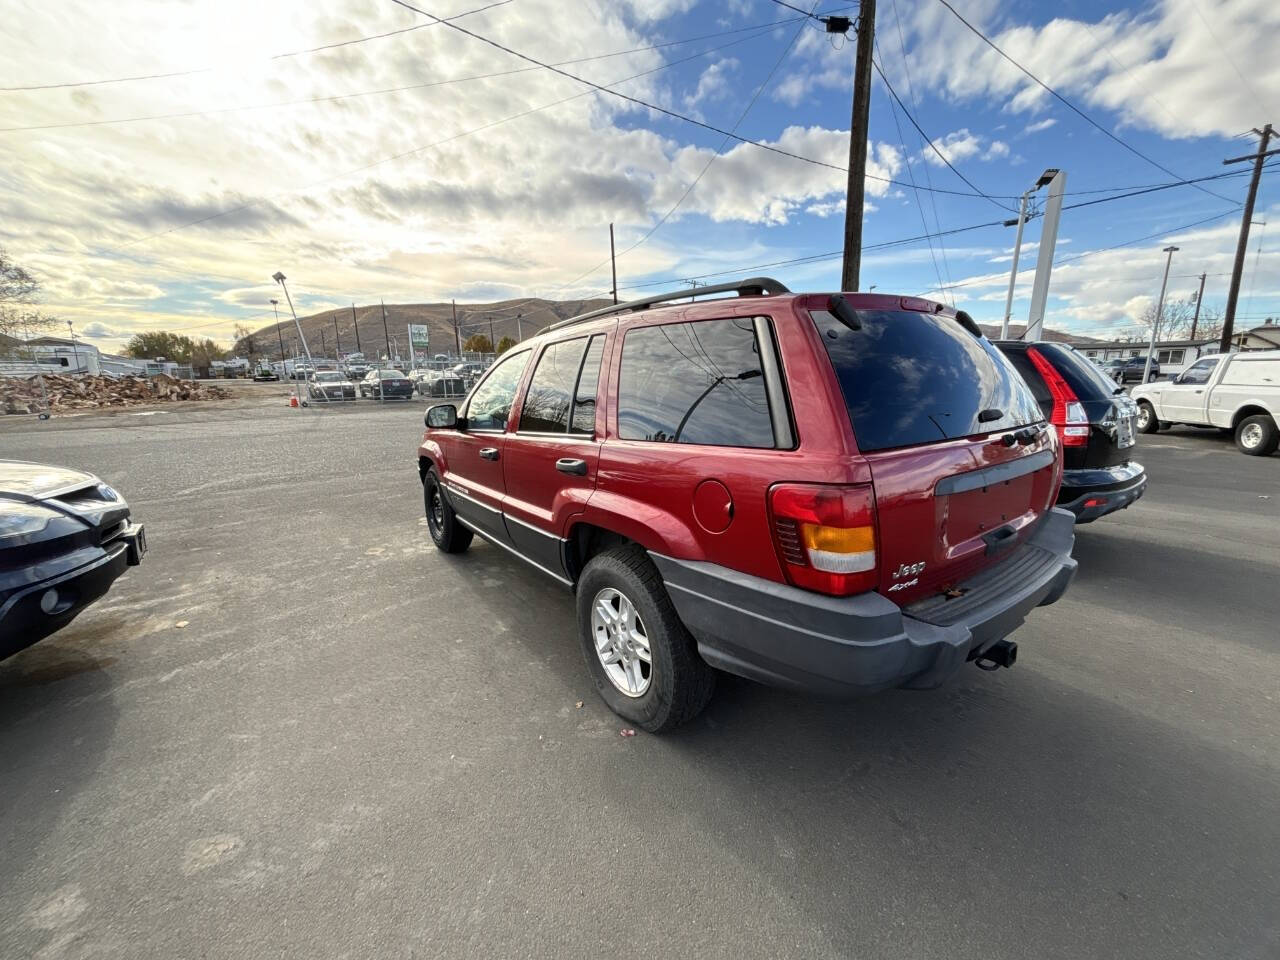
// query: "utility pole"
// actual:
[[613, 259], [356, 323], [1237, 271], [1155, 324], [858, 147], [1195, 321], [457, 336], [385, 332], [337, 344], [493, 344], [275, 305], [280, 278], [520, 324], [324, 347]]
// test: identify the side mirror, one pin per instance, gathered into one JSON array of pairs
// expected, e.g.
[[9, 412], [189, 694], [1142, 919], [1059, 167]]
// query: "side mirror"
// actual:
[[443, 416]]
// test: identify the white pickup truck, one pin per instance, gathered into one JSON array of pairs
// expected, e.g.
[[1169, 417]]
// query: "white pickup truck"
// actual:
[[1239, 392]]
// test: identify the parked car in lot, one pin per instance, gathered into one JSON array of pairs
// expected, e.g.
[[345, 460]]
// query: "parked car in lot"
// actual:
[[832, 493], [1095, 421], [1130, 369], [1239, 392], [386, 383], [330, 385], [65, 537], [265, 375]]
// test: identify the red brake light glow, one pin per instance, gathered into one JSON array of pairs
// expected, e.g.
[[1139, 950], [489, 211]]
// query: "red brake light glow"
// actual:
[[1068, 412], [825, 536]]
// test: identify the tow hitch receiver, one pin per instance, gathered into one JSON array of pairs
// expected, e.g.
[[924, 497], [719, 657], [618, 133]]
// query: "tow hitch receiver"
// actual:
[[1002, 653]]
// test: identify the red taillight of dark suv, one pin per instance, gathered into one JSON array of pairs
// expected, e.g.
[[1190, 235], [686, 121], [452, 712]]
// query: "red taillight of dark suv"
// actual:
[[831, 493], [826, 536]]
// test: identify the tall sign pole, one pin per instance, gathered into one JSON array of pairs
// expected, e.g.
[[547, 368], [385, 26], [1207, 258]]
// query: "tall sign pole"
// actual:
[[1195, 321], [1044, 263], [858, 147], [1242, 245]]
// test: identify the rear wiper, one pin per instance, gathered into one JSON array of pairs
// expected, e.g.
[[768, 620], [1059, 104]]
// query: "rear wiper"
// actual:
[[839, 308], [989, 414]]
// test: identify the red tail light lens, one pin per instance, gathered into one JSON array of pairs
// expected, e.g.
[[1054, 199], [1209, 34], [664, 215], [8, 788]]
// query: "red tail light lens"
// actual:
[[826, 536], [1068, 412]]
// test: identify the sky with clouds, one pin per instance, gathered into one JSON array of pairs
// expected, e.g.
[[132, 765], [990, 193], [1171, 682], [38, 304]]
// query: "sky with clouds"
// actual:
[[408, 161]]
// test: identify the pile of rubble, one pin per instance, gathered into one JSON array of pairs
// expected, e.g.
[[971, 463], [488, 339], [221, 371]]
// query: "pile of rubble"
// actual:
[[90, 393]]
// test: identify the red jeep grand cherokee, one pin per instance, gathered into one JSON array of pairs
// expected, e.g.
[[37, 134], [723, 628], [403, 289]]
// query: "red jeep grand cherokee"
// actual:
[[833, 493]]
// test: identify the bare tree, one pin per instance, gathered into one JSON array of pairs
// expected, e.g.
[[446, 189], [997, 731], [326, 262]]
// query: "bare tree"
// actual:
[[19, 292]]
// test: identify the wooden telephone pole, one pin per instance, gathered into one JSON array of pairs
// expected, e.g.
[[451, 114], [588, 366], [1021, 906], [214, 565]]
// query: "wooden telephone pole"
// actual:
[[858, 147], [1237, 271]]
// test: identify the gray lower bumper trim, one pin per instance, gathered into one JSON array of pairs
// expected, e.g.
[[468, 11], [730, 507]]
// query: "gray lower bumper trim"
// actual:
[[845, 646]]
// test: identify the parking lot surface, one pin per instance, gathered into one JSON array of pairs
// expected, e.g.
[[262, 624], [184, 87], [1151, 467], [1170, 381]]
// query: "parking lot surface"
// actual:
[[297, 730]]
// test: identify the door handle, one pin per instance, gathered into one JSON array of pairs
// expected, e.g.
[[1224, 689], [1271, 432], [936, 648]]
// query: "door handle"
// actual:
[[489, 453], [1199, 391], [569, 465]]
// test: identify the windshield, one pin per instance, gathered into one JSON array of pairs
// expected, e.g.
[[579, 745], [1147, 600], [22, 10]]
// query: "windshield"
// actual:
[[329, 377], [391, 374], [910, 378]]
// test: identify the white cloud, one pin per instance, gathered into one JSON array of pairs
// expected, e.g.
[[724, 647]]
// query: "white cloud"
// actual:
[[713, 84], [1039, 125], [961, 145]]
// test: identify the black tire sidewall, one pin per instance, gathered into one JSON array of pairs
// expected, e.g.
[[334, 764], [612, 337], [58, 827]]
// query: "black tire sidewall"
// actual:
[[451, 537], [1270, 437], [652, 709]]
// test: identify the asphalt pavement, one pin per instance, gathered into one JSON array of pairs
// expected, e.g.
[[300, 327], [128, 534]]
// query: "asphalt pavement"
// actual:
[[298, 731]]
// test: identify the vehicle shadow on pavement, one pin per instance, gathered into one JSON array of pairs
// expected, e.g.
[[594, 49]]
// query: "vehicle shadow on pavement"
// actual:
[[57, 718], [1062, 808]]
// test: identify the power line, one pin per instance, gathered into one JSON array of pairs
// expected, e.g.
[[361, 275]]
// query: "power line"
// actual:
[[1054, 93], [419, 149], [278, 56], [646, 104], [758, 30], [912, 177], [1230, 59], [933, 146], [707, 166]]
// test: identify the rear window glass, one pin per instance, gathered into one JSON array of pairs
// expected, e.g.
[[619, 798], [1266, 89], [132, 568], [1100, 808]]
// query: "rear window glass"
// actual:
[[698, 382], [1083, 376], [910, 378]]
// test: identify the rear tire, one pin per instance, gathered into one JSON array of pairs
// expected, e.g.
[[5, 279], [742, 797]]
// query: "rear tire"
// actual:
[[447, 532], [674, 684], [1257, 436], [1147, 420]]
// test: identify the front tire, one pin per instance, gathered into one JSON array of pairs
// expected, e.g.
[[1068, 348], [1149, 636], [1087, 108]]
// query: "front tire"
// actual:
[[1257, 436], [644, 662], [447, 532], [1147, 420]]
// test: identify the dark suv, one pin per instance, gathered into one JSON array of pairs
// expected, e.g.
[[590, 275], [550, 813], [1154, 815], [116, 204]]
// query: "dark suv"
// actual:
[[833, 493], [1095, 420], [1133, 368]]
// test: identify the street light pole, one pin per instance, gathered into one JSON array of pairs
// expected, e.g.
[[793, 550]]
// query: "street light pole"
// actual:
[[280, 278], [1013, 273], [275, 306], [1155, 324], [75, 351]]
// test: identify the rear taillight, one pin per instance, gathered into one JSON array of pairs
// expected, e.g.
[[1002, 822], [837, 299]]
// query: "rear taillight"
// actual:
[[1068, 412], [825, 536]]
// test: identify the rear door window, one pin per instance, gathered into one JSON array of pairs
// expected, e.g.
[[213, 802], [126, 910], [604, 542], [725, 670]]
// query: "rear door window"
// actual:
[[912, 378], [583, 418], [698, 382]]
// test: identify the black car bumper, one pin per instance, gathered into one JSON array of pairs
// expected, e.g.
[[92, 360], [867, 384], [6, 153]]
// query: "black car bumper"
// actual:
[[37, 610], [1091, 493], [848, 646]]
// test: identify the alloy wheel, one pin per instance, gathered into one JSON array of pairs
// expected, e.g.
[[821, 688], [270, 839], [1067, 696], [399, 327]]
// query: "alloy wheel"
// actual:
[[621, 642], [1251, 436]]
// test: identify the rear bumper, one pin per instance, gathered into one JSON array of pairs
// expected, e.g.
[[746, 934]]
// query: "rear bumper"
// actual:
[[1093, 493], [23, 621], [850, 646]]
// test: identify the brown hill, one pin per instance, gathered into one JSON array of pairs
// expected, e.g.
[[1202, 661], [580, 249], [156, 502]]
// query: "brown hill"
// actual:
[[511, 318]]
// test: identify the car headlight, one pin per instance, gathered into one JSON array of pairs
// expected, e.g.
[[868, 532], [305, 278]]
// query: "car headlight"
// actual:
[[20, 521]]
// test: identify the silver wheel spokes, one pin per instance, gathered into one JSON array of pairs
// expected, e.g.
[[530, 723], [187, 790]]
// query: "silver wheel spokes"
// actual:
[[1251, 435], [621, 642]]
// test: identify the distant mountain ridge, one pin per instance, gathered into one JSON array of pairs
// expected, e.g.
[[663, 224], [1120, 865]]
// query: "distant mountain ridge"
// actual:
[[511, 318]]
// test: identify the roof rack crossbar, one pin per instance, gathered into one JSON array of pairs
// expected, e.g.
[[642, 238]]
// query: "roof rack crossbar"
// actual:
[[754, 287]]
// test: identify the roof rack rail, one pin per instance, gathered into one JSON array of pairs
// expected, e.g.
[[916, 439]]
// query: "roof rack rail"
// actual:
[[755, 287]]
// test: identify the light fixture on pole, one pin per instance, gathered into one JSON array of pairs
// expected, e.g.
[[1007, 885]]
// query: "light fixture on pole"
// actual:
[[1046, 177], [280, 278], [1155, 324]]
